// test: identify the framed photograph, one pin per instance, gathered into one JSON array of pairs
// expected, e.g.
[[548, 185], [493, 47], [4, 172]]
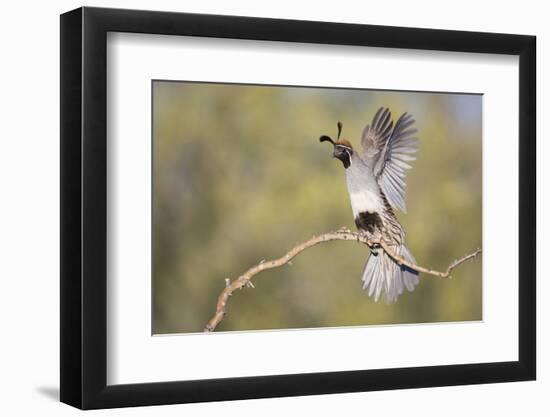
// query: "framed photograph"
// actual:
[[257, 207]]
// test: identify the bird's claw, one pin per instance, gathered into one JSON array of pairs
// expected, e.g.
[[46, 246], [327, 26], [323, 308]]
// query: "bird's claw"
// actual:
[[362, 234]]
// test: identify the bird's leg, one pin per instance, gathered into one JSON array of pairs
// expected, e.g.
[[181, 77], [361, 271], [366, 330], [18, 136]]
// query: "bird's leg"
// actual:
[[372, 241], [363, 234], [374, 246]]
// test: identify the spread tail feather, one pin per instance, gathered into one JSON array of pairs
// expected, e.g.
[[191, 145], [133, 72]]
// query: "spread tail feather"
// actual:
[[383, 275]]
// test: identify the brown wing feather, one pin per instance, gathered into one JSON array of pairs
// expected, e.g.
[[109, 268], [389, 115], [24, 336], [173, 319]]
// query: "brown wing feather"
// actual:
[[392, 163], [376, 134], [388, 150]]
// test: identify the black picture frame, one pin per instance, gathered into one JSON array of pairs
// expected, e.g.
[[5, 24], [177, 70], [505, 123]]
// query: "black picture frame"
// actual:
[[84, 207]]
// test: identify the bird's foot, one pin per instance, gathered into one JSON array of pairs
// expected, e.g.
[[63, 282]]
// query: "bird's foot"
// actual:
[[363, 234], [363, 237], [372, 242]]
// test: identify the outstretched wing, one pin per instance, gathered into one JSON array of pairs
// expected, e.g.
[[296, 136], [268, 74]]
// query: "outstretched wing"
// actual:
[[391, 166], [376, 135]]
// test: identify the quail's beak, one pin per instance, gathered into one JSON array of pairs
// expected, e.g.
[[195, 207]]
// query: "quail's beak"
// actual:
[[342, 155], [339, 153]]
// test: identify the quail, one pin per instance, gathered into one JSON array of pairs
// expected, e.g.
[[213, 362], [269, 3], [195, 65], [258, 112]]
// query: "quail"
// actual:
[[376, 185]]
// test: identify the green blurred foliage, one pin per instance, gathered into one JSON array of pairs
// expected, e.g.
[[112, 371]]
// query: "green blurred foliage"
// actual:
[[240, 176]]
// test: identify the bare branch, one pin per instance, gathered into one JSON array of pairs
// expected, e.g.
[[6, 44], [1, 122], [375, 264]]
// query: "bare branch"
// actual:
[[447, 274], [343, 234]]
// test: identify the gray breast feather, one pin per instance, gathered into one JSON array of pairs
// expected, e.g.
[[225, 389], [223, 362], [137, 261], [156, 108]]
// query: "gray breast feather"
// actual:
[[363, 188]]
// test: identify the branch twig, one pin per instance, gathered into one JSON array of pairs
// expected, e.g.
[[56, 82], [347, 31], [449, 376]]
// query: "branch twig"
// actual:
[[343, 234]]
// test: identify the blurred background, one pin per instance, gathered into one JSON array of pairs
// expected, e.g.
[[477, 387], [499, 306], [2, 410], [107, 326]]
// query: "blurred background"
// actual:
[[239, 176]]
